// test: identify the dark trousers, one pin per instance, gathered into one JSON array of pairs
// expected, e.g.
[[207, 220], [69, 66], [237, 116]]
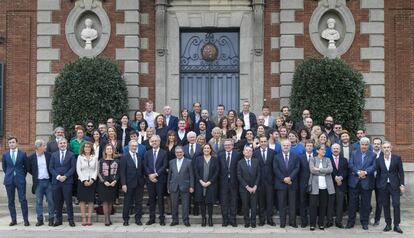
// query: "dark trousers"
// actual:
[[385, 195], [185, 205], [249, 205], [339, 205], [377, 206], [206, 208], [133, 197], [156, 197], [356, 194], [303, 205], [63, 193], [11, 193], [318, 205], [265, 193], [287, 197], [228, 197]]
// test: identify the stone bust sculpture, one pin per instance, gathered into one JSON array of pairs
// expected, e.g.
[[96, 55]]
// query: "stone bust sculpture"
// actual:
[[331, 34], [88, 34]]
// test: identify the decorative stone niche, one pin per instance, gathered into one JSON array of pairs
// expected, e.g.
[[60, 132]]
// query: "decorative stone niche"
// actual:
[[91, 40]]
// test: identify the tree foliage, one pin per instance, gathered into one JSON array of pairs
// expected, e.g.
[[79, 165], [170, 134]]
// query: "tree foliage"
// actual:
[[329, 87], [88, 89]]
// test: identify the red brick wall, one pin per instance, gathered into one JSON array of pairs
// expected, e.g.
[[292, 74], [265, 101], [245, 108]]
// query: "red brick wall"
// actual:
[[148, 55], [18, 26], [270, 30]]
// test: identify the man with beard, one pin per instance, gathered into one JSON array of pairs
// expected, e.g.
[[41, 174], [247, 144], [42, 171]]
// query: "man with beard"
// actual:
[[328, 128]]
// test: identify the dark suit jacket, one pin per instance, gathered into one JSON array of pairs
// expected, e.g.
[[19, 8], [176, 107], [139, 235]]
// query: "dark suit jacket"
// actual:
[[119, 134], [211, 191], [197, 151], [161, 164], [247, 178], [225, 170], [182, 142], [67, 168], [252, 119], [52, 146], [183, 180], [193, 117], [355, 164], [280, 171], [395, 173], [342, 171], [266, 168], [9, 168], [33, 169], [132, 176], [173, 123], [304, 172]]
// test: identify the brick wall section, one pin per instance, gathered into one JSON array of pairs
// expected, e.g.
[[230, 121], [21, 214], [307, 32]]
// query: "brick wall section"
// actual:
[[271, 54], [147, 53], [399, 68], [18, 26]]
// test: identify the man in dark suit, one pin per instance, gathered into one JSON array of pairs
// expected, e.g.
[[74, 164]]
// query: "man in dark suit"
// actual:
[[132, 181], [248, 173], [361, 183], [192, 150], [340, 178], [304, 182], [14, 164], [181, 133], [62, 167], [42, 181], [180, 184], [170, 120], [286, 169], [228, 160], [195, 115], [52, 145], [155, 165], [301, 124], [390, 183], [377, 143], [220, 114], [248, 116], [265, 156]]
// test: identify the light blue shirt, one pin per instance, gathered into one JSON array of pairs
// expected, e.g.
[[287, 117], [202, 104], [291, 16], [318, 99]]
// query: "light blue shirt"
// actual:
[[42, 167]]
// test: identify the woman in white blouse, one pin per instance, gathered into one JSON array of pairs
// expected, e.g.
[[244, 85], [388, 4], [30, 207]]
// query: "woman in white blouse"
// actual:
[[87, 169]]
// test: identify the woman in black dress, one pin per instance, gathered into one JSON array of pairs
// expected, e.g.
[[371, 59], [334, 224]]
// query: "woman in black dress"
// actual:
[[206, 170], [171, 144], [161, 129], [87, 169], [108, 178]]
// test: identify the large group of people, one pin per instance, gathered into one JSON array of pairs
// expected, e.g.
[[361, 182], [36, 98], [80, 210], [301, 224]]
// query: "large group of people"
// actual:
[[258, 163]]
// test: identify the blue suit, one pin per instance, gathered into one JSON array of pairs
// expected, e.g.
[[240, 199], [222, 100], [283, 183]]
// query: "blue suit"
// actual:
[[173, 123], [360, 187], [62, 191], [15, 177]]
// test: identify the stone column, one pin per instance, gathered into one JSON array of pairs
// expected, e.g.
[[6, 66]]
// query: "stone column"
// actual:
[[161, 53], [46, 29], [375, 79], [289, 28], [130, 53]]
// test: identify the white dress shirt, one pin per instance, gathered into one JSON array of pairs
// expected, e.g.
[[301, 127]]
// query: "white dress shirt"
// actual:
[[87, 169], [42, 167], [322, 179], [246, 118], [179, 163]]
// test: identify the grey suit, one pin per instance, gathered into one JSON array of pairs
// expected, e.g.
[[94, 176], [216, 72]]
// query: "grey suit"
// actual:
[[325, 171], [179, 183]]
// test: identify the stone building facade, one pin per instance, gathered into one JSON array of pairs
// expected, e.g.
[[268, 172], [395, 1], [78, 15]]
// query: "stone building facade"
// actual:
[[144, 39]]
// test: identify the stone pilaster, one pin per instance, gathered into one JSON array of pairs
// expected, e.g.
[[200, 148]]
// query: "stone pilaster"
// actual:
[[375, 79]]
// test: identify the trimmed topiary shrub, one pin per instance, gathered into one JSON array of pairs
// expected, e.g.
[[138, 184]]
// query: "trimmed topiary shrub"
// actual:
[[89, 88], [329, 87]]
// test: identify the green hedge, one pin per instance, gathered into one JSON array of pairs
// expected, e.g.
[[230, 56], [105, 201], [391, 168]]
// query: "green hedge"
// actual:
[[89, 88], [329, 87]]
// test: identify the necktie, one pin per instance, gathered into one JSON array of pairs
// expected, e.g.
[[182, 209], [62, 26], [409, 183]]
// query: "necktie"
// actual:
[[264, 155], [13, 157], [362, 159], [62, 157], [217, 146], [249, 167], [337, 163], [228, 160], [309, 157], [134, 157], [191, 150], [155, 161], [286, 161]]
